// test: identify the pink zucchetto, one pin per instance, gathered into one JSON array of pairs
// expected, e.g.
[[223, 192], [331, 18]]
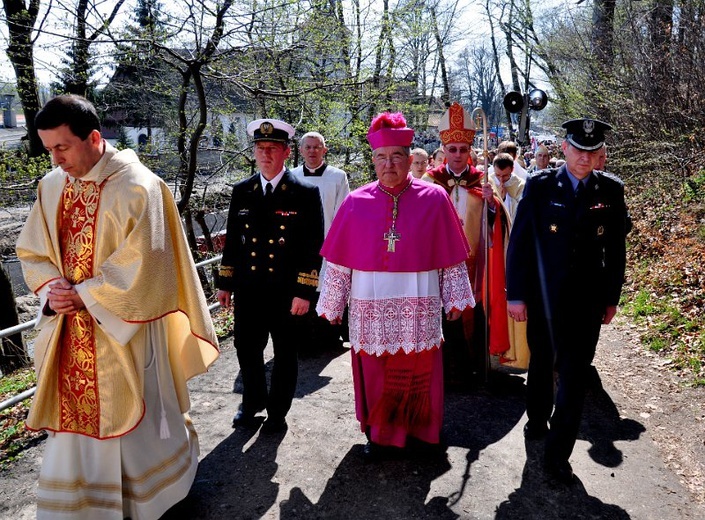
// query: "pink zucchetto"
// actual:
[[389, 129]]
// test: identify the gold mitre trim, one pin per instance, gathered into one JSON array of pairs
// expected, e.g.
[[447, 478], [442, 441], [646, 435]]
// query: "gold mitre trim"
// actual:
[[456, 125]]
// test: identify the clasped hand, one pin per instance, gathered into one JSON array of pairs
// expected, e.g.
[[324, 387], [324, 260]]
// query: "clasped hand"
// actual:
[[62, 297]]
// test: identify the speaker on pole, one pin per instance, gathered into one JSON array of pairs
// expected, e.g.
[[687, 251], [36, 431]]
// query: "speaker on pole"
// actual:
[[513, 102], [537, 99]]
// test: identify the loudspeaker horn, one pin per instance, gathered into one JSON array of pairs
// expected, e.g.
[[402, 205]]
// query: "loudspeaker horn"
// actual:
[[513, 102], [537, 99]]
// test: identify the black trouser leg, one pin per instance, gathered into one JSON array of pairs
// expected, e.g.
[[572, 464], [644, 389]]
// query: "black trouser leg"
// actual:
[[250, 335], [286, 334], [539, 385], [576, 342]]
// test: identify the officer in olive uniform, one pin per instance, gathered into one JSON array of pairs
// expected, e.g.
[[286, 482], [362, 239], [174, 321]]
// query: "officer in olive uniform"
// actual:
[[269, 272], [565, 270]]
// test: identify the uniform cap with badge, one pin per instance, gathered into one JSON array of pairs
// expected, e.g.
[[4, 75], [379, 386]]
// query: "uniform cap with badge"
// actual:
[[586, 134], [270, 130]]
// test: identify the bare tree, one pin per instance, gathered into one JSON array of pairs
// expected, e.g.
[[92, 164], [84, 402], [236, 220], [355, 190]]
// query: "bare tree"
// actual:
[[190, 67], [21, 19], [480, 88], [445, 96], [76, 77]]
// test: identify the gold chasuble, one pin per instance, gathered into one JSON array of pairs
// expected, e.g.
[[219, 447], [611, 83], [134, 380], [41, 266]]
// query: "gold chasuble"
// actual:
[[129, 254]]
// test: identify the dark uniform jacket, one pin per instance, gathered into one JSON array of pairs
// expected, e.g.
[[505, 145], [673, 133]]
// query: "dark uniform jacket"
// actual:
[[564, 249], [273, 243]]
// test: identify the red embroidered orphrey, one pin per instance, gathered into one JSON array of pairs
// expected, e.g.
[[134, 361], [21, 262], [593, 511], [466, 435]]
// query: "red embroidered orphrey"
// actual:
[[78, 378]]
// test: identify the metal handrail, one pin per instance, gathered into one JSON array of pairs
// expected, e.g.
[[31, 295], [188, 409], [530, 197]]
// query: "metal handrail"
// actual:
[[30, 324], [18, 328]]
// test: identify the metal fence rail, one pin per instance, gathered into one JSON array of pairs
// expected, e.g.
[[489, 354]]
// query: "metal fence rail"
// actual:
[[30, 324]]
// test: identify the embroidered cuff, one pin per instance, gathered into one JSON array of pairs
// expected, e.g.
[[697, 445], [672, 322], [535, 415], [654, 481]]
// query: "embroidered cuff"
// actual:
[[335, 291], [455, 288], [309, 279]]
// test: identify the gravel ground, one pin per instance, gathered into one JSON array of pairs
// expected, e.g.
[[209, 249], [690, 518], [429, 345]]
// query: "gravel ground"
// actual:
[[640, 453]]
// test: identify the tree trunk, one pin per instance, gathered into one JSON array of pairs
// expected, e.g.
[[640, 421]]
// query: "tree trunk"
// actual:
[[445, 97], [12, 354], [20, 51], [603, 51], [79, 72], [603, 33], [660, 29], [379, 54]]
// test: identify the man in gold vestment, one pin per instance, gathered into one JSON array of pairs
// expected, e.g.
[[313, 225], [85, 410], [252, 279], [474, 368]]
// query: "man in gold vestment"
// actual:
[[123, 324]]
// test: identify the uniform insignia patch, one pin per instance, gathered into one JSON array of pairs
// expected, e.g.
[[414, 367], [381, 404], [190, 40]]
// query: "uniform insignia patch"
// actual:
[[308, 279], [266, 128], [553, 228]]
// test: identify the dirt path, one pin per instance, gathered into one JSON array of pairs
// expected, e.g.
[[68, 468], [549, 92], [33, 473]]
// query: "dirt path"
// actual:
[[640, 454]]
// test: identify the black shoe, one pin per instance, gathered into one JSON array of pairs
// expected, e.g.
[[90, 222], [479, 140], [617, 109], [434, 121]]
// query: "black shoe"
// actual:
[[243, 419], [560, 471], [534, 431], [371, 452], [274, 425]]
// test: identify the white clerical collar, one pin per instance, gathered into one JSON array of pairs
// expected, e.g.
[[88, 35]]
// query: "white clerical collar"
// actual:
[[94, 173], [274, 182], [453, 174], [315, 167]]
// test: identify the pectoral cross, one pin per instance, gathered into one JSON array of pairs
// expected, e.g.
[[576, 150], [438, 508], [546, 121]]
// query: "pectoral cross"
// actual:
[[391, 237]]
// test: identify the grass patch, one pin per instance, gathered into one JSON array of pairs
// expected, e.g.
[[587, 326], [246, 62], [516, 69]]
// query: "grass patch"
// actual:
[[17, 382], [14, 436], [669, 331], [642, 304]]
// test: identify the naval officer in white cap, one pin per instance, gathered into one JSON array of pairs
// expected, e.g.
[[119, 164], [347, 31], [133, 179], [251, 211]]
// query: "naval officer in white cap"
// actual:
[[269, 272]]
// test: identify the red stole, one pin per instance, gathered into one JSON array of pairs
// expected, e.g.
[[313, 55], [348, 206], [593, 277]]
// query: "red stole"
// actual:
[[495, 300], [470, 181], [78, 381]]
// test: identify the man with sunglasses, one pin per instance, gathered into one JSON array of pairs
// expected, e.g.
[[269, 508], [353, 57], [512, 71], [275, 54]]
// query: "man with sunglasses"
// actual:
[[465, 345]]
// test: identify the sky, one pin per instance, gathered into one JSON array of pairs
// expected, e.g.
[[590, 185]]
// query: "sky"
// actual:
[[49, 54]]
